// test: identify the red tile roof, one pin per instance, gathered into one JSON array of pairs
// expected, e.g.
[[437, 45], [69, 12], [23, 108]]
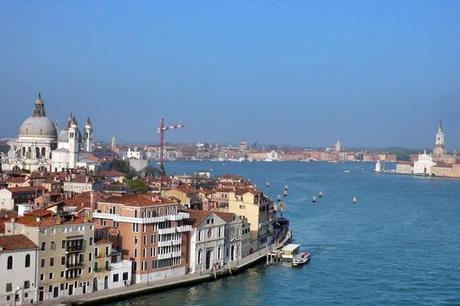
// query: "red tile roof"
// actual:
[[111, 173], [84, 199], [198, 216], [16, 243], [27, 189], [227, 217], [137, 200]]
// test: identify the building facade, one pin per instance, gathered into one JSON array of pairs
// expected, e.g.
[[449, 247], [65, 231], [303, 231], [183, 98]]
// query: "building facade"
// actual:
[[150, 233], [18, 281]]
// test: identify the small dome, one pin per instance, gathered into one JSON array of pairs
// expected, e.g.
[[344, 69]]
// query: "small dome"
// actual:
[[63, 136], [38, 126]]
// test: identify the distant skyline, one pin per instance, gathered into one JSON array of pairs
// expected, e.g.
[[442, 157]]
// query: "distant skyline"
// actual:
[[306, 73]]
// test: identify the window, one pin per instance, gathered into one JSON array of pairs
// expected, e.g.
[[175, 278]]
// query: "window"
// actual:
[[27, 261], [53, 245], [116, 277], [91, 241], [135, 252], [9, 287], [43, 246], [125, 276], [26, 284], [63, 244], [210, 233], [51, 262], [51, 275], [63, 260], [96, 252], [42, 264], [42, 277], [9, 264]]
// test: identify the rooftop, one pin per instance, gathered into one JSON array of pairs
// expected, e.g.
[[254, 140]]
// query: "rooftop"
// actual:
[[138, 200], [16, 243]]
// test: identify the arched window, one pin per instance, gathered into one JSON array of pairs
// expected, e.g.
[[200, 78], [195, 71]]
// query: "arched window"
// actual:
[[37, 152], [23, 151], [9, 264], [27, 261], [43, 152], [199, 256]]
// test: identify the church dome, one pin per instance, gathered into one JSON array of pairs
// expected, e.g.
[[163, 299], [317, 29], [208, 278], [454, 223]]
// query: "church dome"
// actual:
[[63, 136], [38, 125]]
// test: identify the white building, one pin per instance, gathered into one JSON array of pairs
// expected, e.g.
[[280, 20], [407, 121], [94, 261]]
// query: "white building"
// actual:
[[423, 165], [237, 237], [134, 153], [271, 156], [207, 241], [40, 148], [18, 281], [405, 168]]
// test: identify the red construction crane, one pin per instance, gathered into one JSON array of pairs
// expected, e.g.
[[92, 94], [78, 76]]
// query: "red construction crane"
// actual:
[[162, 130]]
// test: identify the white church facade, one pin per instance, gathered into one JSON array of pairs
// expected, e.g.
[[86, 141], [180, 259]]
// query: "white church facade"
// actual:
[[39, 146]]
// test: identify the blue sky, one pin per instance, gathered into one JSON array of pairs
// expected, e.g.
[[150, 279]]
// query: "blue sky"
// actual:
[[370, 73]]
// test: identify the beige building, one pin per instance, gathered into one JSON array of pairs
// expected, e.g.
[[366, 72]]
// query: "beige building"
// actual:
[[258, 210], [66, 251]]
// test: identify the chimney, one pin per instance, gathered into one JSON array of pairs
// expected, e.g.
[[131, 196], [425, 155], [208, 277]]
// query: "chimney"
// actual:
[[58, 219]]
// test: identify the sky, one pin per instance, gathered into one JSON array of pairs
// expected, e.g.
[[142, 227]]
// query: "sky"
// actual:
[[306, 73]]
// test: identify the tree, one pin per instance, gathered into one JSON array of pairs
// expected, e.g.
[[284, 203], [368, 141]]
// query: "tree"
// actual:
[[136, 185]]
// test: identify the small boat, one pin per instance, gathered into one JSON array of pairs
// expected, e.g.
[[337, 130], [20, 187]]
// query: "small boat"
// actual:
[[286, 187], [346, 171], [313, 199], [320, 194], [354, 200], [267, 184], [301, 258], [285, 193]]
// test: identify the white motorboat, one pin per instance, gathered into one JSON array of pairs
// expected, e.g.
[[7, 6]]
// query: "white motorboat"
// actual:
[[301, 258]]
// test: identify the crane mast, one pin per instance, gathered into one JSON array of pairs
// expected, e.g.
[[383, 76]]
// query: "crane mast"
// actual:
[[162, 131]]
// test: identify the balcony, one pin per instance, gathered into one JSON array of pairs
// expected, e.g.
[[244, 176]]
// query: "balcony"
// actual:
[[184, 228], [170, 230], [75, 249], [77, 265], [118, 218], [165, 243]]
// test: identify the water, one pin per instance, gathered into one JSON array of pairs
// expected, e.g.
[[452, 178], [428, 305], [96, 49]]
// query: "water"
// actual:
[[399, 245]]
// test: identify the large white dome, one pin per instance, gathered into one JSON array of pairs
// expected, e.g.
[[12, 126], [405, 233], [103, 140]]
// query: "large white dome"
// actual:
[[38, 126]]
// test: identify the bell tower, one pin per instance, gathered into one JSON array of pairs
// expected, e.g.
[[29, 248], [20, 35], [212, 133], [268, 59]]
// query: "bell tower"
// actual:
[[88, 136], [74, 144], [439, 150]]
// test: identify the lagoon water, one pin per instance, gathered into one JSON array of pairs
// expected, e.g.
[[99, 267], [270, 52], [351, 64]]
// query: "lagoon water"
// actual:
[[400, 245]]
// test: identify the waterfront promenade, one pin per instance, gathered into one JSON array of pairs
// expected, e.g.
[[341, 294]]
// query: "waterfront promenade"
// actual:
[[170, 283]]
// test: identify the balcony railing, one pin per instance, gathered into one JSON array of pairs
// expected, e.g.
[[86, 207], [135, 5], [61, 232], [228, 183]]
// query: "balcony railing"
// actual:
[[147, 220], [77, 265], [74, 249]]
